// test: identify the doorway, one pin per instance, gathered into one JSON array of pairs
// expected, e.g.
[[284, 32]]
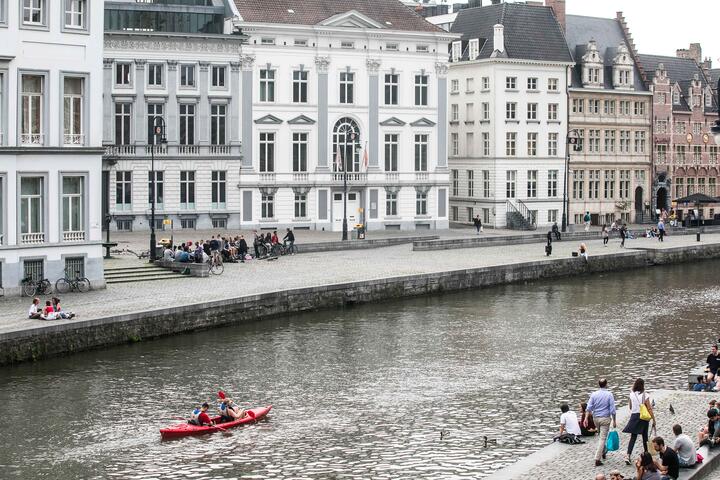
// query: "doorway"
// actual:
[[639, 204], [353, 206], [662, 198]]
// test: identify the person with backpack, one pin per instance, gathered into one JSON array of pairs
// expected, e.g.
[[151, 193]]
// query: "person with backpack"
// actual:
[[587, 219], [641, 413]]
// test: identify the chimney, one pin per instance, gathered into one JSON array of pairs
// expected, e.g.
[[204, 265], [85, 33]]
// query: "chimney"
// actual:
[[694, 52], [499, 38], [558, 7]]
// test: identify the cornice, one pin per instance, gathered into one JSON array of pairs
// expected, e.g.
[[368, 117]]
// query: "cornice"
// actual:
[[171, 44]]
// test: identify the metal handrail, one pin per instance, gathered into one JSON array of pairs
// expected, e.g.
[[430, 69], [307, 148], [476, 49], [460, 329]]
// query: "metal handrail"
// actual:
[[525, 212]]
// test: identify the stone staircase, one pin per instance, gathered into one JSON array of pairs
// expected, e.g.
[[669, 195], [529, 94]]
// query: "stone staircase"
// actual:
[[146, 272]]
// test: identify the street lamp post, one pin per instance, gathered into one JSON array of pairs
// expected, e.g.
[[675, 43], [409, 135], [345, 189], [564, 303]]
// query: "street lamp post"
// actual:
[[354, 139], [158, 131], [570, 142]]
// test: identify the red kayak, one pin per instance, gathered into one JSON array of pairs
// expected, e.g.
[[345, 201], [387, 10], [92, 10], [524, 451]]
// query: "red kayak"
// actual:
[[187, 429]]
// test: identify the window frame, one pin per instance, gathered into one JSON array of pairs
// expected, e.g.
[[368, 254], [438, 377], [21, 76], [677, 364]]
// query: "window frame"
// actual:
[[218, 68], [346, 93], [391, 151], [266, 85], [130, 74], [300, 86], [215, 120], [43, 24], [218, 189], [43, 108], [187, 67], [267, 143], [421, 146], [43, 207], [391, 95], [159, 189], [127, 189], [187, 133], [187, 189], [422, 82], [83, 207], [300, 151], [129, 116], [153, 67], [67, 28], [83, 109]]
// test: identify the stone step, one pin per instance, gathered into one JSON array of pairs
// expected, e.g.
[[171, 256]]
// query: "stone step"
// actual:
[[161, 273], [116, 281], [134, 268]]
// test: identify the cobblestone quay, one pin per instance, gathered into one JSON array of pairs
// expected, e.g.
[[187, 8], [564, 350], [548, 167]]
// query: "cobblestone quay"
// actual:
[[248, 292]]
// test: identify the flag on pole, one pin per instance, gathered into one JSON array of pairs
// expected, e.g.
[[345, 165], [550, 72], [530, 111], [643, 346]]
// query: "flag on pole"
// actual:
[[338, 159], [365, 158]]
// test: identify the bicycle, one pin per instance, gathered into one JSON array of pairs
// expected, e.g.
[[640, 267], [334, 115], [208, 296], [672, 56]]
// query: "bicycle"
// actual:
[[79, 284], [31, 288], [215, 264]]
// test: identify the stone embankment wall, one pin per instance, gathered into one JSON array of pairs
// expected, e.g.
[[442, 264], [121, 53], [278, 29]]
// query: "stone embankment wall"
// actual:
[[65, 338]]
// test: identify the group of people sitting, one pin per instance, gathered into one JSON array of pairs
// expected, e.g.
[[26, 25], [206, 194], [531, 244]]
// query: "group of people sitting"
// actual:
[[228, 409], [51, 311], [232, 249], [708, 381]]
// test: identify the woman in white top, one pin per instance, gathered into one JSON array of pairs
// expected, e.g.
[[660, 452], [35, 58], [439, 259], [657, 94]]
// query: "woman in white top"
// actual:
[[636, 426]]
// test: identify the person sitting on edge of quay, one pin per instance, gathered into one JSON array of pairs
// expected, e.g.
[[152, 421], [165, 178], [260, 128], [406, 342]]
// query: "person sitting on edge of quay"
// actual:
[[636, 425], [591, 429], [569, 426], [59, 311], [713, 362], [684, 447], [182, 255], [200, 417], [584, 251], [168, 254], [710, 435], [602, 407], [645, 468], [703, 385], [669, 465], [33, 313], [556, 231]]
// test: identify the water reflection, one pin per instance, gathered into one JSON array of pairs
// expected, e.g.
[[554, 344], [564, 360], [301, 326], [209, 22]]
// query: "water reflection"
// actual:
[[363, 392]]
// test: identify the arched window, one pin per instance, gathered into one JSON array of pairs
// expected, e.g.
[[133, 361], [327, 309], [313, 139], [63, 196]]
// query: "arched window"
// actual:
[[346, 140]]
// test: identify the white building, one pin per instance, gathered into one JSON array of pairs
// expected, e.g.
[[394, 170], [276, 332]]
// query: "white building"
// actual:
[[324, 84], [50, 140], [508, 116]]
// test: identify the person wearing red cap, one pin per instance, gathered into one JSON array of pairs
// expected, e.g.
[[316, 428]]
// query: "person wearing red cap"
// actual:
[[228, 410]]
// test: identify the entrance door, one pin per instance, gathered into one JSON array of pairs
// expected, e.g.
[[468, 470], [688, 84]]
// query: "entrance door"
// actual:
[[662, 198], [638, 204], [353, 204]]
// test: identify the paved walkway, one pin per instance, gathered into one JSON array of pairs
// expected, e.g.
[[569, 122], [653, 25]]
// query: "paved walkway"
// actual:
[[563, 462], [302, 270]]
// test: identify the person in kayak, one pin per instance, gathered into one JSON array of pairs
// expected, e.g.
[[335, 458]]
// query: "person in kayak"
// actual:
[[200, 417], [229, 411]]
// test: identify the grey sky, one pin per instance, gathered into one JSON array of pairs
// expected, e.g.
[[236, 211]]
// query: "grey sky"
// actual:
[[662, 26]]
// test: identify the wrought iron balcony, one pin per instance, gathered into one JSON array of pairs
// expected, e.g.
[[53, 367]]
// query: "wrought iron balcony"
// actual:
[[32, 139], [74, 139]]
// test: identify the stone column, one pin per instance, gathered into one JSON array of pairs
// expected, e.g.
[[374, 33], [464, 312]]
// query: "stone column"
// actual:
[[441, 69], [235, 103], [108, 107], [140, 113], [202, 121], [323, 65], [373, 65], [247, 62], [171, 117]]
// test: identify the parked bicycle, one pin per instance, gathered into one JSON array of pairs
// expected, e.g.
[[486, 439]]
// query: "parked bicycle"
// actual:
[[281, 249], [215, 264], [32, 288], [79, 284]]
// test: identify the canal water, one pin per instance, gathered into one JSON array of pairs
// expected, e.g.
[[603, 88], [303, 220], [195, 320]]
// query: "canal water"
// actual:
[[363, 392]]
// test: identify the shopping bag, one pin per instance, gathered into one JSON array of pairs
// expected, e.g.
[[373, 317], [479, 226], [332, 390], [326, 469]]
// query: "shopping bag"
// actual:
[[613, 441]]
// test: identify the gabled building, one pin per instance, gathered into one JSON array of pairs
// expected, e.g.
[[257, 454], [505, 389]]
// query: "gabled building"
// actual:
[[341, 91], [684, 110], [508, 115], [610, 112]]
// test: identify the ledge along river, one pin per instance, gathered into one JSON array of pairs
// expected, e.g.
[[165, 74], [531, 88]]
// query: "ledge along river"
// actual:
[[363, 392]]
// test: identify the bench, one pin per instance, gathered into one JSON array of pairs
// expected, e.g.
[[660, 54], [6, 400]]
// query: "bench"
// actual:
[[192, 269]]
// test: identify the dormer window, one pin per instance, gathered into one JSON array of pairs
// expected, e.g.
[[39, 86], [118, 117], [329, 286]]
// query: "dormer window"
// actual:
[[593, 75], [623, 66], [456, 51], [708, 99], [676, 98], [592, 66], [474, 48]]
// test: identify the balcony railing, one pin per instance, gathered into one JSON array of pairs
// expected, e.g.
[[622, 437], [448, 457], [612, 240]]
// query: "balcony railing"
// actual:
[[422, 176], [74, 139], [32, 238], [189, 149], [32, 139], [73, 236], [392, 176], [160, 149], [301, 177], [267, 177], [352, 177], [121, 150], [220, 149], [173, 150]]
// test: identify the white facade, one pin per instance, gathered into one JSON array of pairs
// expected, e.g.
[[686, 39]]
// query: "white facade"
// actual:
[[50, 140], [304, 84]]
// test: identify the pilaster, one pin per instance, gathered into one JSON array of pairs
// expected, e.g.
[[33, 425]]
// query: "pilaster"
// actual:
[[235, 87], [171, 131], [441, 71], [140, 104], [202, 129], [322, 65], [373, 66], [108, 108], [247, 63]]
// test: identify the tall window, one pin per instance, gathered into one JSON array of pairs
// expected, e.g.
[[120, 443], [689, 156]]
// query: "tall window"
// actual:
[[345, 133], [267, 206], [391, 88], [159, 188], [33, 99], [532, 109], [73, 111], [300, 205], [218, 73], [454, 112], [552, 111], [609, 184], [639, 142], [219, 187], [511, 83], [532, 144], [154, 110], [187, 190], [420, 203], [510, 177], [639, 108], [594, 184], [300, 152], [609, 107], [594, 141], [34, 12], [32, 208], [300, 86], [532, 182], [454, 144], [267, 152], [510, 144], [217, 124], [187, 76], [624, 141], [469, 112], [578, 105], [421, 152], [267, 85], [75, 13], [486, 183], [578, 184], [471, 183], [624, 184], [421, 90], [532, 83], [510, 111], [455, 176], [390, 203], [123, 190], [187, 124], [485, 111], [470, 144], [552, 84], [552, 183], [391, 152], [346, 87], [609, 141], [123, 74], [552, 144], [72, 208], [155, 74], [486, 144], [123, 114]]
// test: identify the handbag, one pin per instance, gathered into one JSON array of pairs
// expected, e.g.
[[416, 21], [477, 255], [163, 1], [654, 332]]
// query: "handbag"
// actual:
[[644, 412], [613, 441]]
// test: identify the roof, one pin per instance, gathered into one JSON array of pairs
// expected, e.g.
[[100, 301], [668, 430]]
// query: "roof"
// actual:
[[390, 14], [715, 76], [608, 35], [531, 32], [680, 71]]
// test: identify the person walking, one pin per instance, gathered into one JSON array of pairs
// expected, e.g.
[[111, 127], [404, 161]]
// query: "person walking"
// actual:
[[605, 235], [587, 218], [637, 425], [661, 229], [623, 234], [601, 407], [478, 224]]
